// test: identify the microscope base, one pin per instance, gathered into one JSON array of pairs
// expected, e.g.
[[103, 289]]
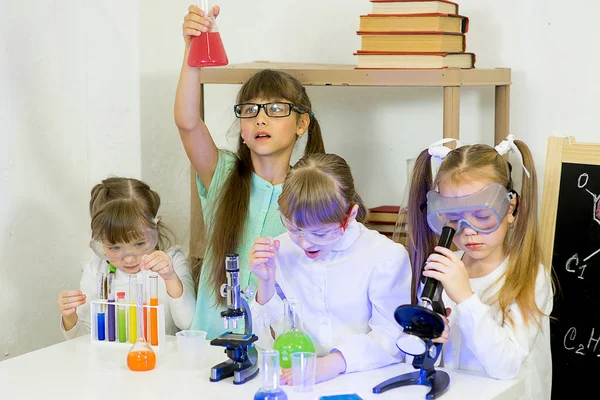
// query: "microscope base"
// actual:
[[241, 372], [438, 381], [243, 358]]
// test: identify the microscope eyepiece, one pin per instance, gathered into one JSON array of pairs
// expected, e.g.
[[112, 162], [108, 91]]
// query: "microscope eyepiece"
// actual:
[[231, 262]]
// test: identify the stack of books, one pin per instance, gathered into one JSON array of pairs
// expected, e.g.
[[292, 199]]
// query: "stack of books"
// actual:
[[413, 34], [389, 220]]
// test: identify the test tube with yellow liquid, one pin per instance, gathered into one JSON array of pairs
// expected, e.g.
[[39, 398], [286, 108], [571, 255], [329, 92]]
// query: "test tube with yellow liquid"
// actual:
[[132, 309]]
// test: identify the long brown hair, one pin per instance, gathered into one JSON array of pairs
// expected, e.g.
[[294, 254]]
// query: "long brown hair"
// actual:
[[121, 208], [226, 227], [319, 189], [521, 243]]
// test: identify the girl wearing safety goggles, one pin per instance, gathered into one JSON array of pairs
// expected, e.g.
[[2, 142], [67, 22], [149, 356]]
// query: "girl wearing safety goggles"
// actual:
[[129, 236], [499, 291], [350, 279]]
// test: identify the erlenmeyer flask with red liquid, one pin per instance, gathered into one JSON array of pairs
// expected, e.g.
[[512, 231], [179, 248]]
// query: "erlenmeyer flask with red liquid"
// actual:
[[207, 49]]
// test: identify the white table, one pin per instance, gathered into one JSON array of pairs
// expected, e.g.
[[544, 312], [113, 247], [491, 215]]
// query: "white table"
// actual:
[[79, 369]]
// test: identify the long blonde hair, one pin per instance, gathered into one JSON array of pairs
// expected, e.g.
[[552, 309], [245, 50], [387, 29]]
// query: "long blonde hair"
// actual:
[[521, 243], [226, 227], [121, 208], [318, 190]]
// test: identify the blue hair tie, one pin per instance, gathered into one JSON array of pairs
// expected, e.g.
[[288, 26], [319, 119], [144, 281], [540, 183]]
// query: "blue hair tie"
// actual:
[[312, 114]]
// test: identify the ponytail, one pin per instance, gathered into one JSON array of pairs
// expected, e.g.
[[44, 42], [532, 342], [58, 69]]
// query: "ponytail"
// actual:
[[314, 143], [361, 216], [524, 249], [421, 239]]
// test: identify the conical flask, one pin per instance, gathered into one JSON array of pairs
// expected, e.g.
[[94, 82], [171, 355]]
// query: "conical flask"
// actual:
[[294, 339], [141, 357], [270, 389], [207, 49]]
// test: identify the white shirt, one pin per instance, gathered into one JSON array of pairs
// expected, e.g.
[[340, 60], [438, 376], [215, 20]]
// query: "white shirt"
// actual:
[[480, 342], [348, 298], [178, 313]]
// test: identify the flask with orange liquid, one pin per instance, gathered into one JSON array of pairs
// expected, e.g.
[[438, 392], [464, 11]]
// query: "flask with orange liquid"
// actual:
[[207, 50], [141, 357]]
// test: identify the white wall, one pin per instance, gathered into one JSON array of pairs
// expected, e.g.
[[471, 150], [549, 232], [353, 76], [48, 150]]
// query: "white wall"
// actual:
[[69, 99], [69, 116]]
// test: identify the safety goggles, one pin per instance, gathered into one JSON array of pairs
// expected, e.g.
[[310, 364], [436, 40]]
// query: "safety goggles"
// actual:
[[320, 238], [482, 211], [118, 251]]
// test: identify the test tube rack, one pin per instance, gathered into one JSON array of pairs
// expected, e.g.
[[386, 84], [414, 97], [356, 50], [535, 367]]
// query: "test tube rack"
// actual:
[[97, 305]]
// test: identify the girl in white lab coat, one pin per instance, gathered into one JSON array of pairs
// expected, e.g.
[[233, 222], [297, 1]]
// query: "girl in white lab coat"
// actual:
[[129, 235], [499, 291], [350, 279]]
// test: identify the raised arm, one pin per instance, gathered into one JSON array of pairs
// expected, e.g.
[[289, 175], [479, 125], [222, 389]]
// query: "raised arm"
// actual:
[[195, 136]]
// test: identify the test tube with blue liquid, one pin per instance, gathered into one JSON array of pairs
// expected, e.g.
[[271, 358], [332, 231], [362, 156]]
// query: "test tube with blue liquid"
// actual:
[[101, 308]]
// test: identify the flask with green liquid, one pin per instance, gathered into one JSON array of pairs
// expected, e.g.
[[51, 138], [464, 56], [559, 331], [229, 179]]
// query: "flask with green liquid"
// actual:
[[294, 339]]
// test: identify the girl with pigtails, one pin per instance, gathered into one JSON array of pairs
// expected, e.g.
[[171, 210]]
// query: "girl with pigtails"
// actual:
[[496, 285]]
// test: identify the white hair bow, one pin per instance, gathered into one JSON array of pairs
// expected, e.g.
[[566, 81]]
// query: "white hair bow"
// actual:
[[507, 145], [438, 151]]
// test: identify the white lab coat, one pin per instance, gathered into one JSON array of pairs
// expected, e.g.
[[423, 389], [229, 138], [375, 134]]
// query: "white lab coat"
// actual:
[[348, 298], [480, 342]]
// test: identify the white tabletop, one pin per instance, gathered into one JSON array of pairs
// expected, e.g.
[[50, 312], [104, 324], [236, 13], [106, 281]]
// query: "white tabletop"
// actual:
[[79, 369]]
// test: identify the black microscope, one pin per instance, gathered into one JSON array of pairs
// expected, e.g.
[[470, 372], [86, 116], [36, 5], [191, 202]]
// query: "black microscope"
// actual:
[[421, 324], [243, 356]]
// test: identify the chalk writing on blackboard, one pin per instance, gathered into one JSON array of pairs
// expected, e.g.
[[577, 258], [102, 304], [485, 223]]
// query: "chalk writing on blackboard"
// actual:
[[570, 342], [572, 264], [582, 183]]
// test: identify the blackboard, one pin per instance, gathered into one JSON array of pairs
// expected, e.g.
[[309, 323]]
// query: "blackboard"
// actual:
[[571, 240]]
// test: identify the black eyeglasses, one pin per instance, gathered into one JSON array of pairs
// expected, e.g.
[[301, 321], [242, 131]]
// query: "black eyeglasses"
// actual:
[[276, 109]]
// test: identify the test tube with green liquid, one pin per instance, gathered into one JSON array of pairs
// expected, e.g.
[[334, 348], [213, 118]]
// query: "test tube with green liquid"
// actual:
[[121, 317]]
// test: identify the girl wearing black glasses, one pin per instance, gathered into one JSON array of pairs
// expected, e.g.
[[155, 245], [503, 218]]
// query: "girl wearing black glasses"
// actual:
[[239, 191]]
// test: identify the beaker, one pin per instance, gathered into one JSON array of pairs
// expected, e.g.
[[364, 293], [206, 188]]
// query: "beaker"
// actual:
[[207, 50], [141, 357]]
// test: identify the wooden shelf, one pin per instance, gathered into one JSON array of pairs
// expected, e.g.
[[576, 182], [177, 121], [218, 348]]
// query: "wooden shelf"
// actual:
[[451, 80], [347, 75]]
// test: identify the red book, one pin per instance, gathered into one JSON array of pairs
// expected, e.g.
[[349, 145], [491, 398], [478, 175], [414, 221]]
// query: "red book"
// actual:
[[385, 209], [383, 215]]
